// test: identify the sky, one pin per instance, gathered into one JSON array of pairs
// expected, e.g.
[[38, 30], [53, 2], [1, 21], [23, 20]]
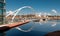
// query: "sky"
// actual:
[[38, 5]]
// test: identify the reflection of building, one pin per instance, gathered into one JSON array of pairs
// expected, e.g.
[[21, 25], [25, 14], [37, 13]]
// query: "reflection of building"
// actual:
[[2, 10]]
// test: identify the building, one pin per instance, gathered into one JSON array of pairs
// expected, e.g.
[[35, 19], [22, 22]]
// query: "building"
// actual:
[[2, 11]]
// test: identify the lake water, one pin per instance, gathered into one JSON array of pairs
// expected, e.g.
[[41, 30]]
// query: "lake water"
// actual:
[[38, 30]]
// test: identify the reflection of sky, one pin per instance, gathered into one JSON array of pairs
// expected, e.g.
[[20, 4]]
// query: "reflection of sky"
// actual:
[[38, 30]]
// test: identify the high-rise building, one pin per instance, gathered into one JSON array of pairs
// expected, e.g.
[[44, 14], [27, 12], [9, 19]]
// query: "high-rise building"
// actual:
[[2, 11]]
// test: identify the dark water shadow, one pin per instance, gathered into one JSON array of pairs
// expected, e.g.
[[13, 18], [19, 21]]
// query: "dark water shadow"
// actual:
[[14, 32]]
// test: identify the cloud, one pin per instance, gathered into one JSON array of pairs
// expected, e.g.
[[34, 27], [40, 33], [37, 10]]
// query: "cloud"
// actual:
[[54, 11]]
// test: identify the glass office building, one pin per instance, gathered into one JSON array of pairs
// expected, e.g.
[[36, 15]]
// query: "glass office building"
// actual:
[[2, 11], [2, 14]]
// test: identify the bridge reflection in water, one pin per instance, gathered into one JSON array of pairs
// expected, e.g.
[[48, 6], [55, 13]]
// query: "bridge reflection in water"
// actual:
[[38, 30]]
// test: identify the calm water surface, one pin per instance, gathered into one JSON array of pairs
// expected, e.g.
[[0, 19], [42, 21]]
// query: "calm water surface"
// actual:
[[38, 30]]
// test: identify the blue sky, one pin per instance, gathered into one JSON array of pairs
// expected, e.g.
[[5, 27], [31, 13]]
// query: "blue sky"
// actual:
[[38, 5]]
